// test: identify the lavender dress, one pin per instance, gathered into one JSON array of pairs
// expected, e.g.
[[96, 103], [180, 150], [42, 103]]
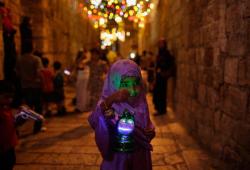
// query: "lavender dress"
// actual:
[[140, 158]]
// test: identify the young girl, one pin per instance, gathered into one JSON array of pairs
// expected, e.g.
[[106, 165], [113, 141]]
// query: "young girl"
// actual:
[[123, 92]]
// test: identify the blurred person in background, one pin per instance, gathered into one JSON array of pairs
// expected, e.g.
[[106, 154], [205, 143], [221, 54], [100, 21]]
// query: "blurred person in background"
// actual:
[[58, 83], [29, 69], [98, 69], [82, 93], [163, 70], [47, 86], [8, 136]]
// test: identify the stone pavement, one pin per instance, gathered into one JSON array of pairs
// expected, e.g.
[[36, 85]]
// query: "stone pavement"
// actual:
[[68, 144]]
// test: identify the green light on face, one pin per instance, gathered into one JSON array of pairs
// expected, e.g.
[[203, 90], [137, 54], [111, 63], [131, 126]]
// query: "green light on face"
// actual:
[[132, 84], [133, 93]]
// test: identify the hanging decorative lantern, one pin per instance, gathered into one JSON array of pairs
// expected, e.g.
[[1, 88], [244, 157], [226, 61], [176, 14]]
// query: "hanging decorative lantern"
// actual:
[[124, 141]]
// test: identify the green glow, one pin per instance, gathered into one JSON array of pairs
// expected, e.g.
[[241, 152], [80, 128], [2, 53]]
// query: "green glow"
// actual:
[[132, 84], [116, 79]]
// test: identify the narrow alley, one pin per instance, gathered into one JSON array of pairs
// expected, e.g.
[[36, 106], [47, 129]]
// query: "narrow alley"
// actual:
[[125, 84], [68, 144]]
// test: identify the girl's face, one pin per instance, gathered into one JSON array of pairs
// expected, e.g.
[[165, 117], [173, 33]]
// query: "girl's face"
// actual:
[[133, 85]]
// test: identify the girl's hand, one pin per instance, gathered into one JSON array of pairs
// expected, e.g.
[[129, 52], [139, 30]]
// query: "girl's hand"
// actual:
[[150, 133], [119, 96]]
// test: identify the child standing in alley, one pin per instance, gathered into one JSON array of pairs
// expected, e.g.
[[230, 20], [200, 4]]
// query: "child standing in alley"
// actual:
[[58, 93], [8, 137], [123, 129], [47, 86]]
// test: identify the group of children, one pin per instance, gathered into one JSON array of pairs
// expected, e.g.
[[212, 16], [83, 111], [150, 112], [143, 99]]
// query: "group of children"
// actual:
[[52, 87], [52, 90]]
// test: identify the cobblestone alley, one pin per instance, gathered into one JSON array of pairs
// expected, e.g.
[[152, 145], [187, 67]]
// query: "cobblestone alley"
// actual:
[[69, 144]]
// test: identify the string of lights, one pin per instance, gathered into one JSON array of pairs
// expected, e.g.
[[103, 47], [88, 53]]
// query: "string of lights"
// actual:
[[109, 16], [117, 11]]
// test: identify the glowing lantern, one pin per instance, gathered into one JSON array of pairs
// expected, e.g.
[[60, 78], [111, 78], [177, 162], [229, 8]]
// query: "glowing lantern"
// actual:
[[124, 141]]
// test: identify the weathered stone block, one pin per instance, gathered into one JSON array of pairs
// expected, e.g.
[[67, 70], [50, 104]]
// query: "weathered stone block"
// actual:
[[217, 121], [193, 74], [208, 76], [231, 70], [200, 54], [236, 29], [237, 44], [213, 98], [207, 118], [228, 125], [205, 134], [208, 59], [217, 147], [218, 77], [217, 61], [241, 135], [244, 71], [235, 102], [201, 77], [202, 93]]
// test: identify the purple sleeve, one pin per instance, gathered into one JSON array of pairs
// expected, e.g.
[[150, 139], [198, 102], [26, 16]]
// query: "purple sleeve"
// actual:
[[98, 123]]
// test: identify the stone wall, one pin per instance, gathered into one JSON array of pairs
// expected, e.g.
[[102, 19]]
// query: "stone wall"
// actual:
[[59, 30], [211, 42], [1, 52]]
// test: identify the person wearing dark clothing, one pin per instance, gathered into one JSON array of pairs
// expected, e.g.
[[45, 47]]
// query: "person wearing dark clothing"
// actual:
[[28, 67], [26, 34], [9, 43], [164, 70], [137, 59], [58, 84], [134, 56], [150, 71]]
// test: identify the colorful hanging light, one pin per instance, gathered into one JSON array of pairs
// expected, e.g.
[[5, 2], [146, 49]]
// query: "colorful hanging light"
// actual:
[[110, 16], [119, 10]]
